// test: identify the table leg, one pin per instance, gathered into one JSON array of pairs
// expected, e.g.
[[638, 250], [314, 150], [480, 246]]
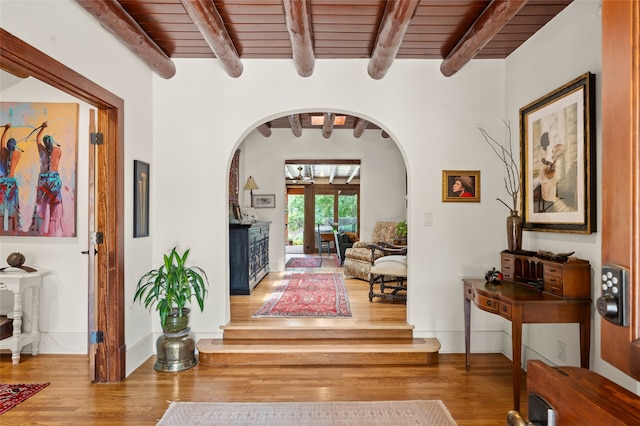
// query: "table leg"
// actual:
[[17, 327], [516, 347], [585, 336], [467, 332]]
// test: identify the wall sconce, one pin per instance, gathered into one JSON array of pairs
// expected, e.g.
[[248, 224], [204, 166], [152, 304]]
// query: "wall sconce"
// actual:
[[250, 186]]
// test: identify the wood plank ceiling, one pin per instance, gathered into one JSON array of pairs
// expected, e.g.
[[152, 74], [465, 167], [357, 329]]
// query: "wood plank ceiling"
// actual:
[[454, 31]]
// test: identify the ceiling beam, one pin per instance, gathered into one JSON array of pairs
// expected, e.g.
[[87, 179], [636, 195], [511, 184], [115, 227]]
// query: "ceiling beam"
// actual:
[[296, 125], [488, 24], [358, 128], [298, 19], [332, 173], [112, 16], [206, 18], [394, 25], [265, 130], [327, 124]]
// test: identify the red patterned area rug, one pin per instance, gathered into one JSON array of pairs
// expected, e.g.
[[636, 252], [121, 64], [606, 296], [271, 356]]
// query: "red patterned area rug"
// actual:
[[312, 295], [12, 395], [304, 262]]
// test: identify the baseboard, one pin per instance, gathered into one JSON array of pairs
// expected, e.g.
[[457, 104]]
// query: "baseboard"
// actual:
[[138, 353], [61, 343]]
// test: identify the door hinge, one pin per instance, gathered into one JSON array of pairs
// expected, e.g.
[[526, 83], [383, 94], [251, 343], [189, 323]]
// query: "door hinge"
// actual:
[[97, 238], [96, 337], [97, 138]]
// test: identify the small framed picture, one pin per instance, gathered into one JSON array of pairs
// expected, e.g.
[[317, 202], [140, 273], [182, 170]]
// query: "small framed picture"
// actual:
[[264, 201], [461, 186], [140, 199]]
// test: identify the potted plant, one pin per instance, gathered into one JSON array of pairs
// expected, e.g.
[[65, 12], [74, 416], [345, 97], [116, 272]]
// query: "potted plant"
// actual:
[[401, 233], [170, 287]]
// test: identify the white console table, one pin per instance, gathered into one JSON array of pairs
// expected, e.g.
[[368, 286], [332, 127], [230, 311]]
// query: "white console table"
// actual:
[[17, 281]]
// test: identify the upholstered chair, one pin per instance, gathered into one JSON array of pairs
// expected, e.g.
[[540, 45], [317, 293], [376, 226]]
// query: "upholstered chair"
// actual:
[[359, 258]]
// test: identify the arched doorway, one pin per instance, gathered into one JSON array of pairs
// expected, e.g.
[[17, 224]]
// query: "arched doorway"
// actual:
[[264, 158]]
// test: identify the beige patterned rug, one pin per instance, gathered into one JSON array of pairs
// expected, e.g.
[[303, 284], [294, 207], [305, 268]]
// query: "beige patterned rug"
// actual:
[[308, 413]]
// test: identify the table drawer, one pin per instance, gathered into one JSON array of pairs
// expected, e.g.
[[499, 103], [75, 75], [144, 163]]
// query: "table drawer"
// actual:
[[504, 309], [552, 269], [507, 266], [553, 289], [485, 303], [552, 280]]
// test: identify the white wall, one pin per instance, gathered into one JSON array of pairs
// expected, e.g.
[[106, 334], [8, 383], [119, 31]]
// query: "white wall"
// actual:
[[382, 172], [432, 118], [64, 31]]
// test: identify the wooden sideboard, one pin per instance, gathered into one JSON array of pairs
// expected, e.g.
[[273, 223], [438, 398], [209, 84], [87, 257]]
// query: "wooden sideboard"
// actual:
[[535, 290], [248, 256]]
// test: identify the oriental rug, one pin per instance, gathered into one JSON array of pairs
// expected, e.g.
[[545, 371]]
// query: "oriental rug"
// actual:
[[312, 295], [12, 395], [304, 262], [387, 413]]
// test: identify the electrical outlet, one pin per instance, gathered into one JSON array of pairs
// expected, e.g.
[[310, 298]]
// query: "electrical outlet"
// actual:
[[562, 351]]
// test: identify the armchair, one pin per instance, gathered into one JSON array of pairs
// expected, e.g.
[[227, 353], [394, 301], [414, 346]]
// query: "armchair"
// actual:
[[389, 271], [343, 242], [359, 258]]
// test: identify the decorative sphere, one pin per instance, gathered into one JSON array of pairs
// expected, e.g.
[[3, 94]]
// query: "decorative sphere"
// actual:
[[15, 259]]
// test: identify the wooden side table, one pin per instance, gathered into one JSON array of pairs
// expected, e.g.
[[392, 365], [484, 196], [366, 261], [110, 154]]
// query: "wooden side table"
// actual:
[[17, 281]]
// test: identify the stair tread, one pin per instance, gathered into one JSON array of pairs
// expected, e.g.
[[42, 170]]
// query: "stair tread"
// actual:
[[249, 325], [327, 346]]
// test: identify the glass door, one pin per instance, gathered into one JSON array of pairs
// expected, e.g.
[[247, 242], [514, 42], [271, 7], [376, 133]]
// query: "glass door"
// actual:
[[294, 220]]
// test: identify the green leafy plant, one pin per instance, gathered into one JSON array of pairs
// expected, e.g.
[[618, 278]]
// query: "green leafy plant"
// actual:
[[401, 229], [172, 285]]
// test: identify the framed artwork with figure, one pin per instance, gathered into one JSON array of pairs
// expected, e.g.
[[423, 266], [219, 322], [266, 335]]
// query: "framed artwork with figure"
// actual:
[[140, 199], [557, 148], [461, 186]]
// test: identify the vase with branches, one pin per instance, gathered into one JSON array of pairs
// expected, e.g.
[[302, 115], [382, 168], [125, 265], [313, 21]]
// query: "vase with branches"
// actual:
[[504, 151]]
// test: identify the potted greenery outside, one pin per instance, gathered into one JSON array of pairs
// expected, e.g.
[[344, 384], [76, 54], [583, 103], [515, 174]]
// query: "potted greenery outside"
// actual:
[[401, 233], [169, 288]]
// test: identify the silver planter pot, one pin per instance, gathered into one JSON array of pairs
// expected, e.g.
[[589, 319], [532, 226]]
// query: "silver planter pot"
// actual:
[[175, 352], [175, 349]]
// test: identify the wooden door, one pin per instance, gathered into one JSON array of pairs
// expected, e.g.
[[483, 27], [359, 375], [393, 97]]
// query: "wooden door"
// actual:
[[620, 346]]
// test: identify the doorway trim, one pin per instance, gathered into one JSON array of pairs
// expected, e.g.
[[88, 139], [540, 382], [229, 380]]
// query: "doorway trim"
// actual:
[[22, 59]]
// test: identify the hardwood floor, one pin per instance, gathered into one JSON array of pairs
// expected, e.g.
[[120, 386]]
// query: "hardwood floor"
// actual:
[[481, 396]]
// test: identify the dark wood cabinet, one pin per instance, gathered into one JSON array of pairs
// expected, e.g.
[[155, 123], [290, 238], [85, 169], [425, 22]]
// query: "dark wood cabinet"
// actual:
[[248, 256]]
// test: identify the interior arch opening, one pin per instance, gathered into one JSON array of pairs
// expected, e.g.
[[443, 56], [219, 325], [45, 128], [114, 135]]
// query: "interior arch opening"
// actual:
[[285, 142]]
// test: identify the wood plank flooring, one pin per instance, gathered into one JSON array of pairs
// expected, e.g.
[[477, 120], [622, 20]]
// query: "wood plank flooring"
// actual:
[[481, 396]]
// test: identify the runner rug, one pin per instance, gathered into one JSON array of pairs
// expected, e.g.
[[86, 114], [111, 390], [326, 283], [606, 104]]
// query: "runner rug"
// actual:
[[304, 262], [12, 395], [308, 413], [311, 295]]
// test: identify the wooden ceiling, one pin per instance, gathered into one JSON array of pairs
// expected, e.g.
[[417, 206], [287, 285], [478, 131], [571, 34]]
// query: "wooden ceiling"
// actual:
[[454, 31]]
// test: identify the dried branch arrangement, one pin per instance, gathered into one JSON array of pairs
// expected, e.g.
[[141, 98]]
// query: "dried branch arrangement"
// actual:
[[505, 154]]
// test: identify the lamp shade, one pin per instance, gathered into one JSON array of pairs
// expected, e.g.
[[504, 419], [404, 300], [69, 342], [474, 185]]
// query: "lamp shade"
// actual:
[[251, 184]]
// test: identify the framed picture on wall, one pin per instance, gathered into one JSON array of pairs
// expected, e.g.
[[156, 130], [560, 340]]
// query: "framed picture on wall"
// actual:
[[264, 201], [140, 199], [557, 147], [461, 186]]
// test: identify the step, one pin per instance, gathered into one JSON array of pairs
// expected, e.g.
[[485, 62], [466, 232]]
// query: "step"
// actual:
[[254, 352], [317, 330]]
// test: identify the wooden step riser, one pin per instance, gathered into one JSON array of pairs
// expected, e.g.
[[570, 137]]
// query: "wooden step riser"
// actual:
[[317, 358], [284, 334]]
